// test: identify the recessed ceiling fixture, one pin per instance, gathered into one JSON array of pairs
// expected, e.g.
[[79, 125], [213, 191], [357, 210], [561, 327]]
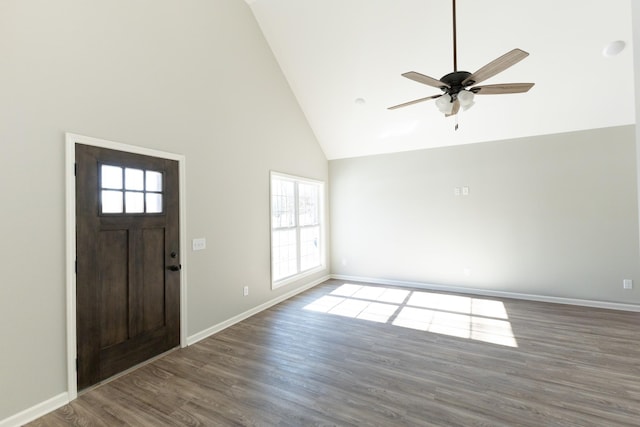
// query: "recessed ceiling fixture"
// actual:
[[456, 86], [613, 48]]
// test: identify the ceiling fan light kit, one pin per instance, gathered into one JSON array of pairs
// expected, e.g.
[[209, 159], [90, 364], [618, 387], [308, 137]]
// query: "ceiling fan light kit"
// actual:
[[458, 90]]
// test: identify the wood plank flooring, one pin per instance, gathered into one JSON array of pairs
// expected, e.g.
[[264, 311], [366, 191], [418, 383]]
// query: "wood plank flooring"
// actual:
[[337, 355]]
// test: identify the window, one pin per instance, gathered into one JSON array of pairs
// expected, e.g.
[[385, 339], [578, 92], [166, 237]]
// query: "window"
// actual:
[[296, 227], [130, 191]]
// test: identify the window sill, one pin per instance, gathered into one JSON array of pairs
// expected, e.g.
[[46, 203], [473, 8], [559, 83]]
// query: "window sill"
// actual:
[[295, 278]]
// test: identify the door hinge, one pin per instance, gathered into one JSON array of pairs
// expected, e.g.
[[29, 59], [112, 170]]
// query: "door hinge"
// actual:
[[75, 169], [77, 364], [76, 266]]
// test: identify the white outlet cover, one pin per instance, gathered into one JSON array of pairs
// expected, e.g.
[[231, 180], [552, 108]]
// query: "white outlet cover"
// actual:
[[627, 284], [465, 191], [456, 191]]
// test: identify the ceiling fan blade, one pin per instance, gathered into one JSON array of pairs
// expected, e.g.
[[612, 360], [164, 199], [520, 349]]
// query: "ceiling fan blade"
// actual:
[[500, 89], [415, 101], [421, 78], [456, 109], [496, 66]]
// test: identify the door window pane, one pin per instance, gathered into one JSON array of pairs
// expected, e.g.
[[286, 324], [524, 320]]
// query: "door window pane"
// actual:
[[111, 201], [111, 177], [133, 179], [143, 190], [134, 202], [154, 181], [154, 203]]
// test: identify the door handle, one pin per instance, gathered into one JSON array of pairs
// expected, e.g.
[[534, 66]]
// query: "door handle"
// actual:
[[175, 267]]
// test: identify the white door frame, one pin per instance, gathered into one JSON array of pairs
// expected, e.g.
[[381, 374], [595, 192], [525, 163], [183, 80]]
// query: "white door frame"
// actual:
[[70, 184]]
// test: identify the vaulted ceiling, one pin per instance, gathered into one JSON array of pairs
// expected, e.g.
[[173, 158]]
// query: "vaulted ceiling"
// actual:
[[343, 60]]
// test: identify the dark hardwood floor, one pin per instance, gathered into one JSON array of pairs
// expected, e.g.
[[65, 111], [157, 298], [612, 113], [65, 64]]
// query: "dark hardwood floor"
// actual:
[[367, 355]]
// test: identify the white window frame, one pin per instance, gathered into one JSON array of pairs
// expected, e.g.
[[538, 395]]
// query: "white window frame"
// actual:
[[321, 221]]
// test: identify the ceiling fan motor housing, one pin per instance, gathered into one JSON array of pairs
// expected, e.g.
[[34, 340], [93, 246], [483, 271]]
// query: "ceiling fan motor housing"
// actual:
[[454, 80]]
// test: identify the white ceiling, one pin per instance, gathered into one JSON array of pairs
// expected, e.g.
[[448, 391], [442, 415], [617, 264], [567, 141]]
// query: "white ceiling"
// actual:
[[335, 51]]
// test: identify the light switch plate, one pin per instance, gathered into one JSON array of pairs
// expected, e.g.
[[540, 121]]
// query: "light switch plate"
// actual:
[[465, 191], [627, 284], [199, 244]]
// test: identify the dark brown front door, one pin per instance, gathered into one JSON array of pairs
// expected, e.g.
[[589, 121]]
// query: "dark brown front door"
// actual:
[[128, 279]]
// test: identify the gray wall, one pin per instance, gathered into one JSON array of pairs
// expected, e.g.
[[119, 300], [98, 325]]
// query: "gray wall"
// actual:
[[194, 77], [552, 215]]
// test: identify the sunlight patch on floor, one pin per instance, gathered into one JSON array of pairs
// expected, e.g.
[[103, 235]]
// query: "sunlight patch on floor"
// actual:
[[354, 308], [454, 315]]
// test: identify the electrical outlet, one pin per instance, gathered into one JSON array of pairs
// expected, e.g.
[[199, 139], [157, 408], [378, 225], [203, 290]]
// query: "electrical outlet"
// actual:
[[627, 284], [456, 191], [245, 291]]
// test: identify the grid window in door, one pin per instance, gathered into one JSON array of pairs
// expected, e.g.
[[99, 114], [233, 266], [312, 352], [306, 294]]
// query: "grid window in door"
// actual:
[[296, 243], [130, 190]]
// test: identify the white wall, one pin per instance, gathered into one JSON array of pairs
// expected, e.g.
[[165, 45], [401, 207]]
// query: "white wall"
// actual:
[[193, 77], [552, 215]]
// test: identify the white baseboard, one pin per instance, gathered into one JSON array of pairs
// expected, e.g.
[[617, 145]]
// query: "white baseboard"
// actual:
[[490, 293], [36, 411], [242, 316]]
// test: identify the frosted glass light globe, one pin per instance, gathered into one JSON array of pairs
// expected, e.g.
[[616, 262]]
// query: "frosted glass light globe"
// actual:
[[465, 97], [444, 104]]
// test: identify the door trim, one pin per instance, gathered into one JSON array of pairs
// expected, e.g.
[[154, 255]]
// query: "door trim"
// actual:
[[71, 140]]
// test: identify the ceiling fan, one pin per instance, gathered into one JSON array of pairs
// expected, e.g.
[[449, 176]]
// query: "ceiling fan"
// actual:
[[458, 88]]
